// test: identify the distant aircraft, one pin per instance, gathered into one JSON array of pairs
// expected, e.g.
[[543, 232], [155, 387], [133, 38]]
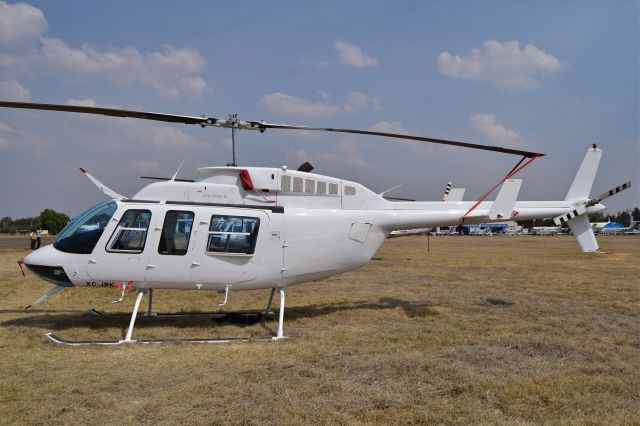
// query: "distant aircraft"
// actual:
[[614, 228], [545, 230]]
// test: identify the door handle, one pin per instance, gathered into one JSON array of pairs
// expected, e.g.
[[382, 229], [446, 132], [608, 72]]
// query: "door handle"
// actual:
[[150, 266], [195, 264], [93, 261]]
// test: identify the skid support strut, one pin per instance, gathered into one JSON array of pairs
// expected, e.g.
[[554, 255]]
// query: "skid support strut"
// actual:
[[134, 314], [150, 307], [280, 334], [268, 311]]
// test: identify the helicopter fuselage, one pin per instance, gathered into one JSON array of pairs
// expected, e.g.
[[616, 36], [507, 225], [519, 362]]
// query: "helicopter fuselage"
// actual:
[[243, 229]]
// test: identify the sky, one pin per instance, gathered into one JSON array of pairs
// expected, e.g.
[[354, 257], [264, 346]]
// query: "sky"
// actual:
[[544, 76]]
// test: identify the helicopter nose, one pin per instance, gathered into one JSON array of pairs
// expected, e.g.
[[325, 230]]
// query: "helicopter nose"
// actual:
[[44, 262]]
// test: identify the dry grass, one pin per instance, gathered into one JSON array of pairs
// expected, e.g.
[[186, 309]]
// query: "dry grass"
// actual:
[[478, 330]]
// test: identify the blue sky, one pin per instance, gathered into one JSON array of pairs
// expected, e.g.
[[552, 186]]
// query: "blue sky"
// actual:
[[552, 77]]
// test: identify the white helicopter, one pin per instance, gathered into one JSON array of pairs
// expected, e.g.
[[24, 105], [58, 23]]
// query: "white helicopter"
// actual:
[[246, 228]]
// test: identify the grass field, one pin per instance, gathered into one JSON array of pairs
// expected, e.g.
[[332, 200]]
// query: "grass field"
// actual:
[[485, 330]]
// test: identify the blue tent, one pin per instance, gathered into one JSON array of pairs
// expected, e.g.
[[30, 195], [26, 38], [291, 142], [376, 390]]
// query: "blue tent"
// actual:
[[613, 225]]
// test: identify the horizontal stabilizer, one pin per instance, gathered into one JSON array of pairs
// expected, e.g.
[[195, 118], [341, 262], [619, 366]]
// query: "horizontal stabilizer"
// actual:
[[567, 217], [505, 200], [581, 229], [455, 194]]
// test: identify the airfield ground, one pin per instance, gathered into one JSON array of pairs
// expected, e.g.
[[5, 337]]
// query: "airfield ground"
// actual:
[[477, 330]]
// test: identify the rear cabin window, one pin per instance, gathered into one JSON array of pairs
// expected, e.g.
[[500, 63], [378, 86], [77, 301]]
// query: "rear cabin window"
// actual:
[[131, 233], [176, 231], [233, 234]]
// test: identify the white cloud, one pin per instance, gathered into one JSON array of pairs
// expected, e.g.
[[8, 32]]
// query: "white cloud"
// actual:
[[20, 26], [164, 137], [351, 54], [298, 155], [293, 106], [81, 102], [13, 139], [13, 91], [324, 95], [502, 64], [355, 102], [168, 72], [145, 167], [347, 156], [5, 138], [389, 127], [284, 104], [376, 103], [487, 126], [172, 72]]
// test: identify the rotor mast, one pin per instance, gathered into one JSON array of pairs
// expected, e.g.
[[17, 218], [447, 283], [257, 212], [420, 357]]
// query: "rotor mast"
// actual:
[[234, 123]]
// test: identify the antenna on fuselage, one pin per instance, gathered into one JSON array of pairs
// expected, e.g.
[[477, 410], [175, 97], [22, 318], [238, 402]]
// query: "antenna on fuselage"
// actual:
[[173, 178]]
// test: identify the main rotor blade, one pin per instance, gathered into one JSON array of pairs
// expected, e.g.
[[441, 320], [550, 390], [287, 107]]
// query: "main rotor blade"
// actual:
[[232, 122], [410, 137], [187, 119]]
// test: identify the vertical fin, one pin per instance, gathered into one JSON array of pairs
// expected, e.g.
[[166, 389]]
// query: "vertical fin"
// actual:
[[582, 182], [502, 207], [581, 229]]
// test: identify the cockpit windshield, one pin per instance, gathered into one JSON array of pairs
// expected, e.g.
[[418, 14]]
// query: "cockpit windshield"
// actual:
[[82, 234]]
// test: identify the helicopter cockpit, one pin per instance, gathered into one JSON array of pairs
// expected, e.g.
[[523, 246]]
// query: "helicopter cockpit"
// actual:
[[82, 234]]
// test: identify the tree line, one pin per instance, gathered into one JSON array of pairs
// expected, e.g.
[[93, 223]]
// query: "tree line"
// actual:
[[49, 219]]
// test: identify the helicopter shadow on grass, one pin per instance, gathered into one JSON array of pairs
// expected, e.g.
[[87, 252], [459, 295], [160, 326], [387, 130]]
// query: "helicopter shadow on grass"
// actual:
[[65, 320]]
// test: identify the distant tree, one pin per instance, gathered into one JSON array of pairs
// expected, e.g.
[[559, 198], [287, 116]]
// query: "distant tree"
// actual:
[[597, 217], [26, 223], [635, 214], [6, 224], [53, 221], [624, 218]]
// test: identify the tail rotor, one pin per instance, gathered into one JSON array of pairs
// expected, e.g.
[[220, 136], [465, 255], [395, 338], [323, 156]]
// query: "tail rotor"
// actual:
[[577, 218]]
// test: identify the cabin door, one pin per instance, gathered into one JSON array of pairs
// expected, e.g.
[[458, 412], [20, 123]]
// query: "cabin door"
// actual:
[[172, 244], [124, 255], [230, 247]]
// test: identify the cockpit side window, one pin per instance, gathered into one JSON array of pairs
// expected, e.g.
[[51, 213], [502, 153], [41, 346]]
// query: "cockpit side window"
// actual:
[[233, 234], [131, 233], [82, 234], [176, 231]]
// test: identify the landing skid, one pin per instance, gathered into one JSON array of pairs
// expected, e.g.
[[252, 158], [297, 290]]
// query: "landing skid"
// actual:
[[60, 341], [212, 314], [128, 338]]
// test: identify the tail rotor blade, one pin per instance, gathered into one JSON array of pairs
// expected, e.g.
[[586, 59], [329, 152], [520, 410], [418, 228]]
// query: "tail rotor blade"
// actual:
[[610, 193]]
